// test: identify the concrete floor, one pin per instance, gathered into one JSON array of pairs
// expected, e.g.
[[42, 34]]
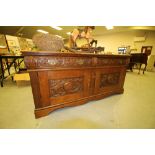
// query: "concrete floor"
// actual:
[[133, 109]]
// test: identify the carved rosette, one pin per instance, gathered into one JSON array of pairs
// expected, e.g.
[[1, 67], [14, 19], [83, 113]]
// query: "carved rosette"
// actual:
[[109, 79], [61, 87], [63, 62]]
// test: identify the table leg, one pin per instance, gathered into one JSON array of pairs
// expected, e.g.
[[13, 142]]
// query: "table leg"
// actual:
[[7, 64], [2, 70]]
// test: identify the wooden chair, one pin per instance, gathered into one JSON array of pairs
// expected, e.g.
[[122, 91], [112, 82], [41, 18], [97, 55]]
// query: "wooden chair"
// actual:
[[138, 58]]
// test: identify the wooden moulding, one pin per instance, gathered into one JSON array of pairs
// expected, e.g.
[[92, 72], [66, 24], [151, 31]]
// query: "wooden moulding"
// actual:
[[45, 111]]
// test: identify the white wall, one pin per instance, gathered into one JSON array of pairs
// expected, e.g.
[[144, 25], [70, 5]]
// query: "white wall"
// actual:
[[112, 41]]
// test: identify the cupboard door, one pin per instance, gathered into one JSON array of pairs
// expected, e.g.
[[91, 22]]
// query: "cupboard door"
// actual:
[[66, 86], [109, 79]]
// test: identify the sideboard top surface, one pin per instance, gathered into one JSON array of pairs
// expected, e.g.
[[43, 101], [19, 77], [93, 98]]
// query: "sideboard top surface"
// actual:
[[51, 53]]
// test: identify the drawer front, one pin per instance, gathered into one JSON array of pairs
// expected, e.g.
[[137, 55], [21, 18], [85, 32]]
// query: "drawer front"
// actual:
[[48, 62]]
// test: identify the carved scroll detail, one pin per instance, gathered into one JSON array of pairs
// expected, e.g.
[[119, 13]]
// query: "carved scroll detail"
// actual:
[[111, 61], [67, 62], [109, 79], [61, 87], [63, 62]]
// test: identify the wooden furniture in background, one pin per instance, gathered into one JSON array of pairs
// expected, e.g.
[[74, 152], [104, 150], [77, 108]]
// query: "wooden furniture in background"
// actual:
[[15, 62], [68, 79], [138, 58], [146, 49]]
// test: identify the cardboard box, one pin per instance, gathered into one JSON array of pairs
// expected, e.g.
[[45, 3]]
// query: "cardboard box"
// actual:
[[22, 79]]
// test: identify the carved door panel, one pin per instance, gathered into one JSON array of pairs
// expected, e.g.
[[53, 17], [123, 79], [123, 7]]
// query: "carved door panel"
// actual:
[[109, 79], [66, 86]]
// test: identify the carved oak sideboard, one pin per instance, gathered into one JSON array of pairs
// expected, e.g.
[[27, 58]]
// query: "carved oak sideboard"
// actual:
[[68, 79]]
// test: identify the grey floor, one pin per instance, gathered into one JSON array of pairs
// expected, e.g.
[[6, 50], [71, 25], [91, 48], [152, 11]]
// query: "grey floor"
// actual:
[[133, 109]]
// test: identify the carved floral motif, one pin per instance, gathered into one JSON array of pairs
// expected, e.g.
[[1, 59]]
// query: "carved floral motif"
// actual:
[[67, 62], [110, 61], [109, 79], [61, 87], [48, 62]]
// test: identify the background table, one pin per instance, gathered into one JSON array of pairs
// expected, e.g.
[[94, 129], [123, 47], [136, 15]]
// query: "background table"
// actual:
[[13, 62]]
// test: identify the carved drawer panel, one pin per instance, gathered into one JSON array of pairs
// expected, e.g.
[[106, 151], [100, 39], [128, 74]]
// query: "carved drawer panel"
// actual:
[[61, 62], [110, 61]]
